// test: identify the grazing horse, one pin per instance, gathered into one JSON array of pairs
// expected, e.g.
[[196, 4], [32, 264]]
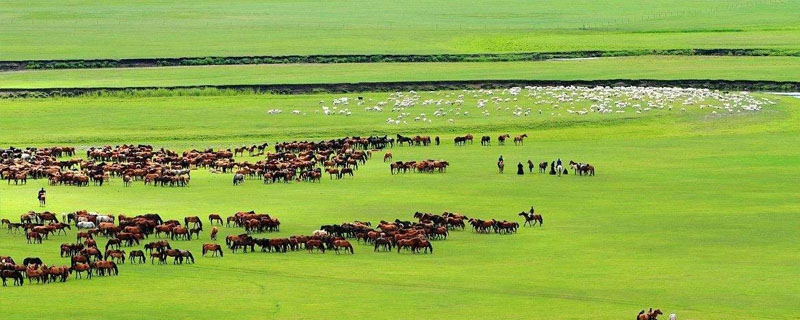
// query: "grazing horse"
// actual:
[[338, 244], [213, 247], [543, 167], [501, 140], [531, 219], [387, 156], [500, 166], [19, 280], [486, 140], [214, 217], [82, 267], [31, 261], [136, 255], [238, 179], [383, 243], [520, 139], [315, 244], [649, 315], [194, 220], [214, 231]]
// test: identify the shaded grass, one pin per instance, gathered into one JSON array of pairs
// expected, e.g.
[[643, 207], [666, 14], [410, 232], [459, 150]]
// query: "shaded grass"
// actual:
[[645, 67]]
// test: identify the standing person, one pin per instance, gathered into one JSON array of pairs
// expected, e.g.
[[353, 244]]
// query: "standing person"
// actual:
[[520, 170], [41, 196], [530, 166], [437, 140]]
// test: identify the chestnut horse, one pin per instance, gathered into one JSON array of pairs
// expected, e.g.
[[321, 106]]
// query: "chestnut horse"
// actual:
[[214, 217], [213, 247], [520, 139], [337, 244]]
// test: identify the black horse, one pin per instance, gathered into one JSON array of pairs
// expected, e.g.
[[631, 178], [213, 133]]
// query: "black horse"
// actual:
[[32, 260]]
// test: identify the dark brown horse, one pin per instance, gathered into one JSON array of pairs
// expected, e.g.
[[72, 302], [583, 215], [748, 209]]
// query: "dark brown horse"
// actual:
[[315, 244], [502, 139], [136, 255], [531, 219]]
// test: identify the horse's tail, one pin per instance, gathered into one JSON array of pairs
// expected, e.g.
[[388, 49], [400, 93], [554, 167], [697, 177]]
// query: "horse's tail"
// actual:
[[541, 220]]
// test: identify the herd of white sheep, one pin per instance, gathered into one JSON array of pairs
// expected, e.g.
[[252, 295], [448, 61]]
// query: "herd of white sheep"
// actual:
[[428, 107]]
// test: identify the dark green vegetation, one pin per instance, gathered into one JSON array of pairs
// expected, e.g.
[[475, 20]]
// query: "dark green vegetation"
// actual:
[[644, 67], [686, 208]]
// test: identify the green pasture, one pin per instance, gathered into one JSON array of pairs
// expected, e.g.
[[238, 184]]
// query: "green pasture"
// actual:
[[152, 28], [694, 213], [641, 67]]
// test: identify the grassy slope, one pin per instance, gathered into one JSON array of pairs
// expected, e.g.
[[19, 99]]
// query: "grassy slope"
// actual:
[[646, 67], [695, 214], [114, 29]]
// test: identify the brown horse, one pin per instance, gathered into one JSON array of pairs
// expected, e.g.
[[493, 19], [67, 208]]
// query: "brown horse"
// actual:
[[500, 166], [338, 244], [315, 244], [82, 267], [531, 219], [502, 139], [136, 255], [649, 315], [214, 231], [387, 156], [213, 247], [520, 139], [214, 217]]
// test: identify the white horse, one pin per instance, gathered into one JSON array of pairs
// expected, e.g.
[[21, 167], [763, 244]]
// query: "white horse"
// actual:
[[320, 233], [560, 169], [85, 225], [104, 218]]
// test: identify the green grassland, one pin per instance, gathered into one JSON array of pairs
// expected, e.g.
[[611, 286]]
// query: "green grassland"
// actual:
[[691, 212], [152, 28], [641, 67]]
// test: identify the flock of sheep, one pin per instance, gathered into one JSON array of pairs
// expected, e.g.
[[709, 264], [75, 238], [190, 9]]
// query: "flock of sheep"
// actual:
[[428, 107]]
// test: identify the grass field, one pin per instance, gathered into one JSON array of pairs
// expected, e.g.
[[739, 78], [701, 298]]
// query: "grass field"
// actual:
[[691, 212], [153, 28], [643, 67]]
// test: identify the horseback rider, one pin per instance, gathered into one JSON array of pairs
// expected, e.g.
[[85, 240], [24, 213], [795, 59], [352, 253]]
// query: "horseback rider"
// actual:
[[558, 162], [42, 196], [501, 159], [532, 210]]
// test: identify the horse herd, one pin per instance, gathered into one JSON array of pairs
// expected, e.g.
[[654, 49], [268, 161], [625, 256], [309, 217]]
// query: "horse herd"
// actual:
[[428, 166], [293, 161], [87, 258]]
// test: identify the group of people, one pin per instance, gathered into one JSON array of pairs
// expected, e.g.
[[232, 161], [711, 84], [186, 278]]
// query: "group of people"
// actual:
[[521, 168]]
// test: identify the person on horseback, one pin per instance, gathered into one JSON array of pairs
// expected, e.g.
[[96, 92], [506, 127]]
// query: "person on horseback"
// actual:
[[501, 159], [532, 210], [558, 162], [41, 196]]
